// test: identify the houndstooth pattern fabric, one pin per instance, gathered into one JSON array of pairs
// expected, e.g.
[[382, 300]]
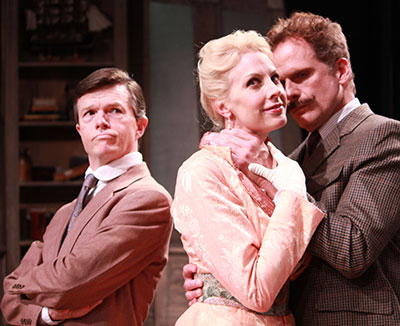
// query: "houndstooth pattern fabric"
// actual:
[[354, 175]]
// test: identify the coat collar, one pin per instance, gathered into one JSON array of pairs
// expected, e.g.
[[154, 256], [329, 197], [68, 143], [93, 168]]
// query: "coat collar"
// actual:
[[330, 144], [131, 176]]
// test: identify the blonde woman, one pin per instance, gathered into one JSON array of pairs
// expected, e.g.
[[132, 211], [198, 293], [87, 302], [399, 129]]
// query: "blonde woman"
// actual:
[[245, 246]]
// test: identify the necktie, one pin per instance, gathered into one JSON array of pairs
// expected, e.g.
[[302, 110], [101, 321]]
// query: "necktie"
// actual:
[[89, 183], [312, 142]]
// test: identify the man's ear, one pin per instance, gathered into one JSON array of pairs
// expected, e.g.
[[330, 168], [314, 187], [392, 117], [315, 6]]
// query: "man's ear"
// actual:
[[343, 70], [141, 126]]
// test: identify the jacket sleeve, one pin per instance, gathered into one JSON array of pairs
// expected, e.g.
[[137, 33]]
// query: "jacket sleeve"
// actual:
[[367, 215], [135, 230], [217, 230], [18, 309]]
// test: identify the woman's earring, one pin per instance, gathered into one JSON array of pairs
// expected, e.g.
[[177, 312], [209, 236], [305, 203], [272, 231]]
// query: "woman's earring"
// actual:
[[229, 123]]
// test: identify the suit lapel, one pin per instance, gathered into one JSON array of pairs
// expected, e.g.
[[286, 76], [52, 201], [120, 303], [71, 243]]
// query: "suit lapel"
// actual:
[[323, 150], [324, 165], [134, 174], [57, 231]]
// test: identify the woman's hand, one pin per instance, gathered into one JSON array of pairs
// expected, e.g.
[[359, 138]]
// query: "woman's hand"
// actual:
[[288, 175]]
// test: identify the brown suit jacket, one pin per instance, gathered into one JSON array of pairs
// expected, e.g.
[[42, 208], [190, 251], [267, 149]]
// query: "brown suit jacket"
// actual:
[[115, 252], [354, 175]]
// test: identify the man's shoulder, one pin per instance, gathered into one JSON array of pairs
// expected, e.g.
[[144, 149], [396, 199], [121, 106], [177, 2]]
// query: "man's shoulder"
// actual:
[[138, 179], [376, 125], [363, 117]]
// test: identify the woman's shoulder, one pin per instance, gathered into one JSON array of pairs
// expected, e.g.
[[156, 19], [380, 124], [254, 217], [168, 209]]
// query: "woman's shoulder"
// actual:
[[207, 159], [208, 154], [199, 159]]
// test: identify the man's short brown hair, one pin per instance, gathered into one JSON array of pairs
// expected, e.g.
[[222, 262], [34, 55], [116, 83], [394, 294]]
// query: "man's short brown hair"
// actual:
[[324, 36], [109, 77]]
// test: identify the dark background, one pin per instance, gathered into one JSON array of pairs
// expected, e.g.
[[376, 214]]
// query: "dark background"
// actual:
[[372, 29]]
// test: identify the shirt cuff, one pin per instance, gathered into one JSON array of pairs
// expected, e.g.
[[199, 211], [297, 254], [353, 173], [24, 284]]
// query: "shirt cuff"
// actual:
[[46, 317]]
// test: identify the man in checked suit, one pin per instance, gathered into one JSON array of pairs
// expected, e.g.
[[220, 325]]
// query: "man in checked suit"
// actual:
[[353, 173], [105, 268]]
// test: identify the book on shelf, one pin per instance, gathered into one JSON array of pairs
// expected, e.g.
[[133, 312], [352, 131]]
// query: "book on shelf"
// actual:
[[44, 105], [44, 108], [43, 116], [33, 222]]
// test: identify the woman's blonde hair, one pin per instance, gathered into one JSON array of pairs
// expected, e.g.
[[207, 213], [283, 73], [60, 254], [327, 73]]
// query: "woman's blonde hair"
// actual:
[[216, 58]]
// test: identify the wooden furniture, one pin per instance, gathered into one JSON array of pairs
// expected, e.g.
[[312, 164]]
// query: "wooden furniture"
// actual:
[[47, 71]]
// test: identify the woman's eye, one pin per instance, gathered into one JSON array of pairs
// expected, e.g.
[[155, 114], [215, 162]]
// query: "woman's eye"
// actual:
[[253, 81]]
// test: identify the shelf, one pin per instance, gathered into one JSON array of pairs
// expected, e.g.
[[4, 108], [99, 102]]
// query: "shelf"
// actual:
[[51, 145], [50, 184], [25, 243], [47, 130], [48, 191], [42, 206], [46, 71], [47, 123], [63, 64], [61, 69]]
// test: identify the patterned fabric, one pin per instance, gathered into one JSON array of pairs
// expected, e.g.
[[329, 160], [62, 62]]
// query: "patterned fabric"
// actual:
[[354, 175], [230, 229], [89, 183], [215, 293]]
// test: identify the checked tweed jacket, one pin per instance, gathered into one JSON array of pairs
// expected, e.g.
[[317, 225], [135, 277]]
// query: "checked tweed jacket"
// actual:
[[354, 175]]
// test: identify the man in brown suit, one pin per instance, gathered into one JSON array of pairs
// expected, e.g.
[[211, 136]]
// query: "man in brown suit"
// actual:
[[353, 173], [100, 267]]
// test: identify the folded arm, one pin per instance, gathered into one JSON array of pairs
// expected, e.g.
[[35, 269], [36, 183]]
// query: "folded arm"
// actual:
[[16, 308], [102, 262]]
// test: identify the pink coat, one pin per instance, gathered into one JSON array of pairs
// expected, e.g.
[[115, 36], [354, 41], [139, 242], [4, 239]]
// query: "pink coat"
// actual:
[[227, 230]]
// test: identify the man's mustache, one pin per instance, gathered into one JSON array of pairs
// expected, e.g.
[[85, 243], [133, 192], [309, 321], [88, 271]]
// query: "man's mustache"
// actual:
[[295, 104]]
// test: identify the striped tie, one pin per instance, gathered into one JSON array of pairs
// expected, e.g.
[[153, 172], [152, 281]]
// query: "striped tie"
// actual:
[[89, 183]]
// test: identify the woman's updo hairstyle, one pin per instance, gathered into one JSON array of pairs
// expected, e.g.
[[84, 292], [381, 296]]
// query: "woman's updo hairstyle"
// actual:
[[216, 58]]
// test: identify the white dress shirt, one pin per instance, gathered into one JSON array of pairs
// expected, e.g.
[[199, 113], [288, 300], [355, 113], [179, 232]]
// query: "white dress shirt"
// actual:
[[112, 170], [328, 126]]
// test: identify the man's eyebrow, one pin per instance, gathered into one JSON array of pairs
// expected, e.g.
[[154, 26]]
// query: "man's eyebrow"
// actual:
[[91, 106]]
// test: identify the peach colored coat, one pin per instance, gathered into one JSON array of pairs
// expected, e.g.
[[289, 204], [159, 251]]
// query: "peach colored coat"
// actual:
[[229, 230]]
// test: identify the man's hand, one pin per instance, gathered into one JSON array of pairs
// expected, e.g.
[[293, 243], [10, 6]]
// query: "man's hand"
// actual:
[[245, 148], [288, 175], [193, 287], [61, 314]]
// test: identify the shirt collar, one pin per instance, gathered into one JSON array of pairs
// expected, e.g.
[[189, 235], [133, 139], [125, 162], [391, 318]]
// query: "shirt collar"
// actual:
[[116, 168], [326, 128]]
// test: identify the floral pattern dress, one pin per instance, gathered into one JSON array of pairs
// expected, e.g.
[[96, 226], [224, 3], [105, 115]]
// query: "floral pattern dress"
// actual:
[[245, 245]]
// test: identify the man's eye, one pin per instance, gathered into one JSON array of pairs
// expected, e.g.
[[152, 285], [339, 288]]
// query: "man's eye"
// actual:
[[88, 113], [302, 75], [275, 79], [116, 110]]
